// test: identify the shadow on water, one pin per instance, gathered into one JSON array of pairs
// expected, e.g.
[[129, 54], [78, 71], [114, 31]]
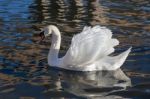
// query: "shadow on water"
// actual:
[[62, 83], [23, 62]]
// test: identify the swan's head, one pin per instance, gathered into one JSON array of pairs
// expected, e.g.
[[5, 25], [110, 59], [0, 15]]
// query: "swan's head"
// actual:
[[45, 32]]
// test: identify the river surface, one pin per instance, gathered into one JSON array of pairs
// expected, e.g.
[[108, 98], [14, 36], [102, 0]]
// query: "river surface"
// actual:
[[24, 73]]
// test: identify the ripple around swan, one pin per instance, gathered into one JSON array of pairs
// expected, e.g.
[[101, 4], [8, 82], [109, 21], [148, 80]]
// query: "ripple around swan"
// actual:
[[24, 64]]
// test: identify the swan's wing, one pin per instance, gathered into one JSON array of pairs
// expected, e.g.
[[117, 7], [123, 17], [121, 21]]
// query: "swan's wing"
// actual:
[[90, 45], [114, 62]]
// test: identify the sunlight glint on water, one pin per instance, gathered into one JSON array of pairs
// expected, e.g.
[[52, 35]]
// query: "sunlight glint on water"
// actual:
[[23, 62]]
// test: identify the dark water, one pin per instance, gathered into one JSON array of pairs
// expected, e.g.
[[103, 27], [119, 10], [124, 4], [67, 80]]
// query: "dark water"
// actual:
[[24, 73]]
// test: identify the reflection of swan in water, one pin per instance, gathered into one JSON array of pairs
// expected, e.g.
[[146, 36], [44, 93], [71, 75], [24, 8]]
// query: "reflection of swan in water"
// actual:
[[89, 50], [91, 84]]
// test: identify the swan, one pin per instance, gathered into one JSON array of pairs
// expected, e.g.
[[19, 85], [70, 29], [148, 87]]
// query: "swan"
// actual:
[[89, 50]]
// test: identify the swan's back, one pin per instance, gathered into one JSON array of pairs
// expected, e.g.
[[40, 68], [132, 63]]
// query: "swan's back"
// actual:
[[89, 46]]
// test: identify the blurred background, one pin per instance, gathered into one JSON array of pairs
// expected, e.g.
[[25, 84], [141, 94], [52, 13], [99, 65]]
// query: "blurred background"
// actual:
[[23, 63]]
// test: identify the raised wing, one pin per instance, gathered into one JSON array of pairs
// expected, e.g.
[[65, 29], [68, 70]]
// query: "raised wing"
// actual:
[[90, 45]]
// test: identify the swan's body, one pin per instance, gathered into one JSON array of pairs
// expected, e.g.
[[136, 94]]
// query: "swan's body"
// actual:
[[89, 50]]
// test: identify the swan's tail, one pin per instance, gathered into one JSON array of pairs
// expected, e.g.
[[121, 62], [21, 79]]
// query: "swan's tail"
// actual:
[[121, 58], [115, 62]]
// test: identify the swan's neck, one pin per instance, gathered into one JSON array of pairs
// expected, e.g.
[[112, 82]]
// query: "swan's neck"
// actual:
[[55, 46]]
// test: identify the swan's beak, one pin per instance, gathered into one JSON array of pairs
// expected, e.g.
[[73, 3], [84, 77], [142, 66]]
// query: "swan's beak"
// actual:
[[42, 35], [39, 37]]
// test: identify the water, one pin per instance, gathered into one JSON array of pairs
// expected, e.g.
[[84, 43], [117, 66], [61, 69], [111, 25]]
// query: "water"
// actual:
[[24, 73]]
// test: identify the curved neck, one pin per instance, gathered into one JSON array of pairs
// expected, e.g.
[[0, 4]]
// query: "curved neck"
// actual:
[[55, 46]]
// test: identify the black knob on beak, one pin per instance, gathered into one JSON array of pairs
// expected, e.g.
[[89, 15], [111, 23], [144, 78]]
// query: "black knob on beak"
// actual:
[[41, 34]]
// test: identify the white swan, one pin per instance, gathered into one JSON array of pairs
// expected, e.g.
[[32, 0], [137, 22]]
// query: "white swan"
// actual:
[[89, 50]]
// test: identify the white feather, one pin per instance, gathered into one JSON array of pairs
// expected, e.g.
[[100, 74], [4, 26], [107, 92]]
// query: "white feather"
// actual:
[[89, 50], [90, 45]]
